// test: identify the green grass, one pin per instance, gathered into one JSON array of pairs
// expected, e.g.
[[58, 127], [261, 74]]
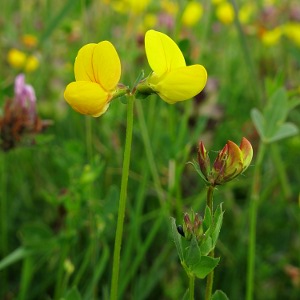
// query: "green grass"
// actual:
[[59, 197]]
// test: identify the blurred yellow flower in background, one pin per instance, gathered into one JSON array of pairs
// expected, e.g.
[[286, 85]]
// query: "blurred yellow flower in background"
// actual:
[[20, 60], [271, 37], [192, 13], [149, 21], [125, 6], [216, 2], [292, 31], [97, 71], [225, 13], [170, 7], [171, 79], [246, 12], [29, 40]]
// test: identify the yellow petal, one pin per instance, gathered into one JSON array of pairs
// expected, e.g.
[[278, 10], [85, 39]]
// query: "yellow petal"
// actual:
[[83, 67], [181, 84], [106, 65], [162, 53], [87, 98]]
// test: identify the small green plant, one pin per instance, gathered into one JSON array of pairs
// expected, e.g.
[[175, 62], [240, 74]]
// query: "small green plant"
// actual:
[[196, 240]]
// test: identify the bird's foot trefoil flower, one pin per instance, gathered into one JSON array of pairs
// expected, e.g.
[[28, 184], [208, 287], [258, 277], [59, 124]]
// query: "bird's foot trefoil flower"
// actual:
[[171, 78], [97, 71], [231, 161]]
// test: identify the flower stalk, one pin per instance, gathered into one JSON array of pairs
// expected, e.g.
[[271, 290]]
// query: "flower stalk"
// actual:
[[191, 287], [122, 201], [210, 276], [254, 201]]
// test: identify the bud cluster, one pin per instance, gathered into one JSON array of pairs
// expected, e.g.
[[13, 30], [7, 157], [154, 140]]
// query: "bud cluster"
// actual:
[[231, 161], [192, 226]]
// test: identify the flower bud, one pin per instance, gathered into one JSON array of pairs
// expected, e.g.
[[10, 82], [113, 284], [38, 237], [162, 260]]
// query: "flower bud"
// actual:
[[231, 161], [192, 226]]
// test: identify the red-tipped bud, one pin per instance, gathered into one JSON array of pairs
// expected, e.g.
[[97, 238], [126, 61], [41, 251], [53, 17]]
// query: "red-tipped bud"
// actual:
[[231, 161]]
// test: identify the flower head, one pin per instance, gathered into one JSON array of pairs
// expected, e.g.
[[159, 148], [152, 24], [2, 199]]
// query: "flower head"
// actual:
[[20, 116], [192, 226], [24, 95], [19, 60], [225, 12], [192, 13], [171, 79], [231, 161], [97, 72], [292, 31]]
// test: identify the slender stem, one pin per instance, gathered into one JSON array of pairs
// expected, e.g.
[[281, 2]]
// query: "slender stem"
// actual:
[[4, 216], [3, 205], [254, 201], [281, 171], [191, 287], [122, 202], [149, 153], [253, 77], [210, 276], [209, 197]]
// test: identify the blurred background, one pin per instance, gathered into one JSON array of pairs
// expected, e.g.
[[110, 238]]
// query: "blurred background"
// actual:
[[61, 171]]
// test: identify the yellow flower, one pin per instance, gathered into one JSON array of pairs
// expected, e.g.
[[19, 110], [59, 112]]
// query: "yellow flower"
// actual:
[[170, 7], [16, 58], [225, 13], [292, 31], [246, 12], [217, 2], [171, 79], [125, 6], [192, 13], [97, 72], [271, 37], [29, 40], [20, 60]]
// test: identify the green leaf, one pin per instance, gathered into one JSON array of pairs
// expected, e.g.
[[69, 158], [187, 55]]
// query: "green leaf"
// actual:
[[73, 294], [206, 265], [206, 246], [195, 165], [193, 254], [219, 295], [284, 131], [259, 122], [207, 222], [13, 257], [177, 239], [275, 112], [293, 103], [218, 219], [186, 295]]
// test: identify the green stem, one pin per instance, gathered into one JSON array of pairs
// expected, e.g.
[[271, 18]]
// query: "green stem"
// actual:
[[122, 202], [4, 218], [279, 165], [191, 287], [254, 201], [149, 153], [210, 276], [253, 77]]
